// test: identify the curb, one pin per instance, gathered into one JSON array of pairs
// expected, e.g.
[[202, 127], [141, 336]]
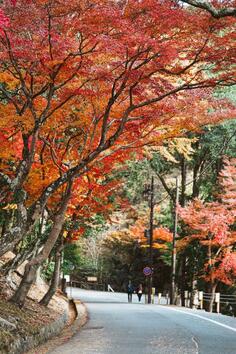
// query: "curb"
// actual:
[[66, 333], [24, 344], [82, 316]]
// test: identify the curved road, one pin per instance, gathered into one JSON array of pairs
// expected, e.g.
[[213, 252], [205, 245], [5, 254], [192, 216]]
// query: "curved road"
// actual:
[[116, 327]]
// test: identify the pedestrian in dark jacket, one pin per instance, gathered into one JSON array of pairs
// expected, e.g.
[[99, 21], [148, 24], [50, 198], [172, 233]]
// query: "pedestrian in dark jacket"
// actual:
[[139, 292], [130, 290]]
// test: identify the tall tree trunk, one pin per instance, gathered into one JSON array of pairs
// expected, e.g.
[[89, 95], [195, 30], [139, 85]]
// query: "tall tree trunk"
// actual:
[[195, 191], [183, 181], [20, 295], [183, 278], [55, 277], [23, 226], [194, 292], [20, 258], [25, 254], [212, 291], [213, 284]]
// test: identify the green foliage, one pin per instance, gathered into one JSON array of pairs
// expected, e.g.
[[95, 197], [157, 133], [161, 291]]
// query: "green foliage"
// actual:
[[95, 225], [47, 270], [135, 174], [226, 93], [213, 144], [82, 259], [122, 262], [166, 254], [71, 258]]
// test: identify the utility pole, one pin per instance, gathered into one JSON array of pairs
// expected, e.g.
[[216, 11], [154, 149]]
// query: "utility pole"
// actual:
[[151, 240], [173, 263]]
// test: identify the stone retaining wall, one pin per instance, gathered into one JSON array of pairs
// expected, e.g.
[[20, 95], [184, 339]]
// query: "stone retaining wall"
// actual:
[[23, 344]]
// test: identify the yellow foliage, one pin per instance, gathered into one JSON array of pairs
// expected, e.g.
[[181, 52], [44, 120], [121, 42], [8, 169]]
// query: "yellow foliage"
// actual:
[[65, 233], [164, 151], [8, 79], [10, 207], [181, 145]]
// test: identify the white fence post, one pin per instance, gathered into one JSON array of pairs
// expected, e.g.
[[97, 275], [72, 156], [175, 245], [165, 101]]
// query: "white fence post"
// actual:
[[186, 298], [153, 295], [109, 288], [200, 298], [217, 301]]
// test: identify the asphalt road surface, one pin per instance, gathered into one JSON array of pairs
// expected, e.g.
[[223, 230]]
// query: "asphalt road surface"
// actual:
[[116, 327]]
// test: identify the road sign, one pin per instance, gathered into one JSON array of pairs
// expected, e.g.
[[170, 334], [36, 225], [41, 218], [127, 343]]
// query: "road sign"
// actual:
[[92, 279], [147, 271]]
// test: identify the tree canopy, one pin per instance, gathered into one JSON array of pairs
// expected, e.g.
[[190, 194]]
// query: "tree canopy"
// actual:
[[84, 84]]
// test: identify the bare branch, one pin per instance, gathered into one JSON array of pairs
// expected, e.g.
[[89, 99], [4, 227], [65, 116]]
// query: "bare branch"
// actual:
[[216, 13]]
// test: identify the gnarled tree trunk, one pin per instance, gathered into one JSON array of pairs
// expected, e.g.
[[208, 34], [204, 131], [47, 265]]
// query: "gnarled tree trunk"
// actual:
[[20, 295], [55, 277], [20, 258]]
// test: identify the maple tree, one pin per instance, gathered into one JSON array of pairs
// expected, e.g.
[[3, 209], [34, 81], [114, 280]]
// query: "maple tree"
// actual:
[[211, 224], [161, 235], [74, 96], [92, 194]]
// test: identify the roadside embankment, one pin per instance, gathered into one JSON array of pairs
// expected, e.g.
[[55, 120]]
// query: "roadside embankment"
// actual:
[[27, 328], [22, 329], [72, 327]]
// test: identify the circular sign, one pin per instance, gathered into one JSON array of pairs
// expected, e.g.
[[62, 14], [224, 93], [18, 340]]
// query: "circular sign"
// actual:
[[147, 271]]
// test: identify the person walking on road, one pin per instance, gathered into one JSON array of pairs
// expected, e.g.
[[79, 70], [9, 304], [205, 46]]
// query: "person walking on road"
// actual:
[[130, 291], [139, 292]]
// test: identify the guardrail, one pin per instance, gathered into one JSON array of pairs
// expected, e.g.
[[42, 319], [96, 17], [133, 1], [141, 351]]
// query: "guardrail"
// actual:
[[198, 299], [86, 285]]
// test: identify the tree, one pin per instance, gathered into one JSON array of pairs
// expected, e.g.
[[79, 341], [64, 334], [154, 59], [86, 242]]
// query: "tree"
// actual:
[[57, 84], [55, 276], [211, 225], [76, 96], [89, 196]]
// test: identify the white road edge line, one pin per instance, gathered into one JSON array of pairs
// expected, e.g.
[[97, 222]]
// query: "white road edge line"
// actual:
[[204, 318], [196, 344]]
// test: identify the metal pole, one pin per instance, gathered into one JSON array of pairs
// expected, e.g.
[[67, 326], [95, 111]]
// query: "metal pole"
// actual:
[[173, 273], [151, 241]]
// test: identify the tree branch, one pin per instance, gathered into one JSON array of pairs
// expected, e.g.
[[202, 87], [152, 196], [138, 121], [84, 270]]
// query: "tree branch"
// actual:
[[216, 13]]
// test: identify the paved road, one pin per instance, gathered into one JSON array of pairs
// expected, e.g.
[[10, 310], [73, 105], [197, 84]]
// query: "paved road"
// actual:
[[116, 327]]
